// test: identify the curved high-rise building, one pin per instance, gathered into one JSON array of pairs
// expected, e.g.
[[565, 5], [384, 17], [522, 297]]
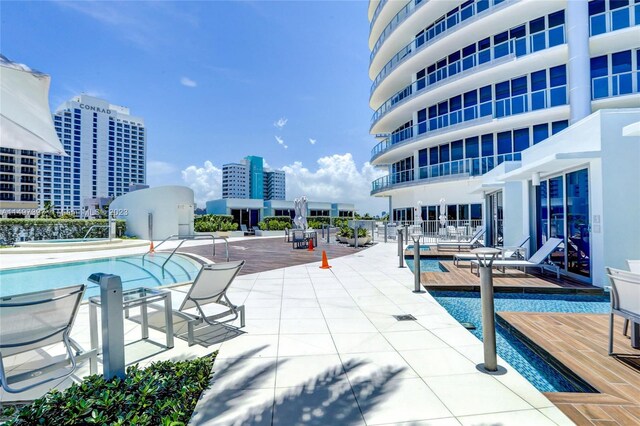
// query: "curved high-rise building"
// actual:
[[462, 91]]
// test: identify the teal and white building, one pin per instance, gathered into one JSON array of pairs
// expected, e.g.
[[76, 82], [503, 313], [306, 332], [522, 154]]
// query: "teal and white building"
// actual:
[[250, 179], [106, 151], [521, 114]]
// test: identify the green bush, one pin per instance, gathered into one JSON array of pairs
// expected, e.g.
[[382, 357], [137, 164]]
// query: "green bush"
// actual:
[[214, 223], [275, 223], [50, 229], [165, 393]]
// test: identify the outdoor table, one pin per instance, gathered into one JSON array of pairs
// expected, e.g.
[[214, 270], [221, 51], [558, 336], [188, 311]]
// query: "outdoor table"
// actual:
[[136, 297]]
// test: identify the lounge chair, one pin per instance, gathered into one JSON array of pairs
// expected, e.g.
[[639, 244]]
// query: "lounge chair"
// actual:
[[201, 304], [32, 321], [244, 229], [460, 244], [634, 266], [507, 252], [535, 261], [625, 300]]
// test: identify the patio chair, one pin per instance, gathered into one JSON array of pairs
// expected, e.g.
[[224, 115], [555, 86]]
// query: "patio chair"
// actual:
[[299, 239], [634, 266], [207, 301], [625, 299], [507, 252], [244, 229], [459, 244], [32, 321], [536, 261]]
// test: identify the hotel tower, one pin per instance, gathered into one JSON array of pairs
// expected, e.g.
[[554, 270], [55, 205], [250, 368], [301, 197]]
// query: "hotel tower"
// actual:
[[520, 116]]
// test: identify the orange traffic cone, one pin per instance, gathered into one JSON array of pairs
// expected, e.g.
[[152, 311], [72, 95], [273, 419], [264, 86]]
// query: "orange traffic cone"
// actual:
[[325, 262], [311, 244], [151, 249]]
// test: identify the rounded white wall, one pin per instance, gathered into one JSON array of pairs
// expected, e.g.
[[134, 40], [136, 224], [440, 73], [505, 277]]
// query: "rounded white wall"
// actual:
[[169, 207]]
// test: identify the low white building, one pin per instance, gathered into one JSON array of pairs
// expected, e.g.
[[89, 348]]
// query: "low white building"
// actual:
[[156, 213]]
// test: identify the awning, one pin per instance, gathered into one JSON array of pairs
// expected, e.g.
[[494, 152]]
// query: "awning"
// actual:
[[551, 164], [25, 117]]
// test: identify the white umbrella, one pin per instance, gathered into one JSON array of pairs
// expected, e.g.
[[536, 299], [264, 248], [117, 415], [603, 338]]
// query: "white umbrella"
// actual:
[[25, 117], [443, 212]]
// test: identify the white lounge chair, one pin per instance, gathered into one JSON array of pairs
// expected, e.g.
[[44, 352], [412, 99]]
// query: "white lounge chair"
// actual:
[[634, 266], [460, 244], [536, 261], [625, 300], [207, 295], [32, 321], [507, 252]]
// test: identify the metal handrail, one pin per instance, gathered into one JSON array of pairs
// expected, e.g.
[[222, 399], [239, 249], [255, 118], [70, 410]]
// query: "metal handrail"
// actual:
[[91, 228], [189, 237]]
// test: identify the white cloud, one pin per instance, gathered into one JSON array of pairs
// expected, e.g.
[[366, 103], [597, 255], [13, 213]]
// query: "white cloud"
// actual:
[[186, 81], [206, 182], [280, 123], [285, 146], [281, 142], [159, 168], [312, 141], [336, 179]]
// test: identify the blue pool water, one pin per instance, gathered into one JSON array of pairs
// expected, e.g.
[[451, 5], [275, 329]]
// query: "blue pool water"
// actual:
[[426, 265], [130, 268], [422, 247], [465, 307], [68, 240]]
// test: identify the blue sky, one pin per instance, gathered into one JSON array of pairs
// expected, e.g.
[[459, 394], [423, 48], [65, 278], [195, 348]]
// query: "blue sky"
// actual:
[[216, 81]]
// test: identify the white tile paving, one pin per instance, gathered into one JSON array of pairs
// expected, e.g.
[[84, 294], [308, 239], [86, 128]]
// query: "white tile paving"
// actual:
[[321, 347]]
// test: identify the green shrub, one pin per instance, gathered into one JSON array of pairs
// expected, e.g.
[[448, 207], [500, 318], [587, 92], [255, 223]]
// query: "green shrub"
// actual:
[[214, 223], [50, 229], [165, 393], [275, 223]]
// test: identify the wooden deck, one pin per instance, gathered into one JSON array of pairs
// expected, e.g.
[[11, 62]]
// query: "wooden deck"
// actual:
[[265, 254], [579, 341]]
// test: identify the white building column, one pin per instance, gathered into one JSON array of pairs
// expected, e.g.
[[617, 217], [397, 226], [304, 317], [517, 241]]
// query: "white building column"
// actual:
[[579, 65]]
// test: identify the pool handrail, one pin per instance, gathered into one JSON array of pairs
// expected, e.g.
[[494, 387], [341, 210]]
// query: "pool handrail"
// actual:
[[91, 228], [189, 237]]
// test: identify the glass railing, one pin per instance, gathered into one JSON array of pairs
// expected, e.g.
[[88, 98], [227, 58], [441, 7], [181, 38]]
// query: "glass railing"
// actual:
[[377, 12], [508, 49], [436, 32], [539, 99], [616, 19], [404, 13], [462, 168], [615, 85]]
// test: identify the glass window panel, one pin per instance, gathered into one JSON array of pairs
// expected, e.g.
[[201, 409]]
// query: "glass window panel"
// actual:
[[577, 204], [469, 50], [471, 98], [558, 76], [485, 94], [621, 62], [617, 4], [556, 207], [472, 147], [487, 145], [463, 212], [540, 132], [452, 212], [520, 139], [455, 103], [455, 56], [536, 25], [433, 155], [544, 213], [422, 115], [444, 153], [484, 43], [556, 18], [538, 80], [596, 6], [457, 152], [504, 143], [432, 213], [502, 90], [423, 157], [517, 32], [476, 211], [499, 38], [443, 108], [558, 126], [518, 86]]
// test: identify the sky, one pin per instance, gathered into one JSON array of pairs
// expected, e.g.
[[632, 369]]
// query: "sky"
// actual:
[[216, 81]]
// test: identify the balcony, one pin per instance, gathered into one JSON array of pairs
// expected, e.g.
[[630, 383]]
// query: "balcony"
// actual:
[[458, 169], [434, 34], [404, 13], [377, 12], [489, 57], [615, 85], [519, 104]]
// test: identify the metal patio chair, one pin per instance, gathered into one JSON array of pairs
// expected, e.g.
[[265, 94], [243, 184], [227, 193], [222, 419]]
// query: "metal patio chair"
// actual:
[[625, 301]]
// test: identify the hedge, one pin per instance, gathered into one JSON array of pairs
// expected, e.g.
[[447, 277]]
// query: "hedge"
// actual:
[[214, 223], [52, 229], [165, 393]]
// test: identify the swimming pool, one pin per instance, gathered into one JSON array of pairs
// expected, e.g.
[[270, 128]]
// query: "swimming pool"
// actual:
[[63, 241], [426, 264], [423, 247], [465, 308], [130, 268]]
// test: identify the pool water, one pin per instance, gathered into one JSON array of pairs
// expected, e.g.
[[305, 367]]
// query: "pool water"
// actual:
[[68, 240], [422, 247], [465, 308], [426, 265], [132, 270]]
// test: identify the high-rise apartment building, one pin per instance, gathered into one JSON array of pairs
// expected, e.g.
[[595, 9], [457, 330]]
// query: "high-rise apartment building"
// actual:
[[468, 96], [106, 153], [18, 183], [249, 179]]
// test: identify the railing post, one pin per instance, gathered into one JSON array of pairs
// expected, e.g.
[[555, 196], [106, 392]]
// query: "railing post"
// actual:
[[386, 227], [400, 248]]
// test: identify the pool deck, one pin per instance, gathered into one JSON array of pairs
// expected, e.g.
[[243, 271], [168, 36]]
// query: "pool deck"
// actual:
[[322, 347], [579, 341]]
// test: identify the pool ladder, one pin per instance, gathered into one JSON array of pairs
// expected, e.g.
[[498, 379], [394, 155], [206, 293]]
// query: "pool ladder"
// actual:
[[189, 237]]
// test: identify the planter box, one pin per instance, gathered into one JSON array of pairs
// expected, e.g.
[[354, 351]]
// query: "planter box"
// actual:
[[361, 241], [261, 233]]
